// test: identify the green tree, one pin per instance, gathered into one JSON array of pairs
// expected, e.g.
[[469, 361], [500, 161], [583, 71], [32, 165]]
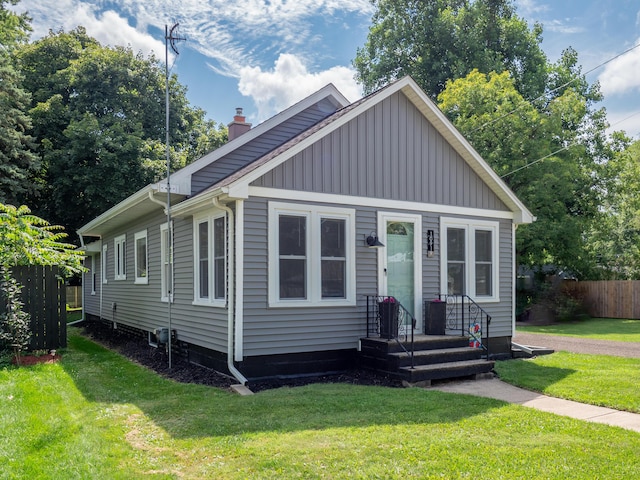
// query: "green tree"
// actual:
[[439, 40], [615, 239], [18, 161], [99, 119], [536, 153]]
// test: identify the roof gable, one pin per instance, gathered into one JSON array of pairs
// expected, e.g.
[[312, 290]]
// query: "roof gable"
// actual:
[[236, 185]]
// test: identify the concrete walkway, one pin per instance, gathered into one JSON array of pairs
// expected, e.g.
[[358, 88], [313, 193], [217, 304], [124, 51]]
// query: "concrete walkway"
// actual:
[[499, 390]]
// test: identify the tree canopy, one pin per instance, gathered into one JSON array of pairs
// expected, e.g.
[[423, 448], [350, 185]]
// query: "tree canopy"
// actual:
[[18, 162], [99, 122], [438, 40]]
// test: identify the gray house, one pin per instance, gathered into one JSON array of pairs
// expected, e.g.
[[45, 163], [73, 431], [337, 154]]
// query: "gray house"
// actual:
[[273, 268]]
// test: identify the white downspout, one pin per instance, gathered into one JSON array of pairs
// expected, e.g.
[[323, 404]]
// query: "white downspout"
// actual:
[[231, 300]]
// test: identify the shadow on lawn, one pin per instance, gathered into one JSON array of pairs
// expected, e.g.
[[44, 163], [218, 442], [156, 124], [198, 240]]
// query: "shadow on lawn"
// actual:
[[187, 410], [531, 375]]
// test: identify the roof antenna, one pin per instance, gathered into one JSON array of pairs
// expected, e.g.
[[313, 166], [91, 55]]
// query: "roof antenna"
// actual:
[[170, 39]]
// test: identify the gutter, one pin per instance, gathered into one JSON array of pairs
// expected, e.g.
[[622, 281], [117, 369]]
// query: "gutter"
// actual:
[[231, 301]]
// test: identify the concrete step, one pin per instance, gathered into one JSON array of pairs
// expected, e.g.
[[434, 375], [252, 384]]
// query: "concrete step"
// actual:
[[381, 346], [439, 355], [423, 374]]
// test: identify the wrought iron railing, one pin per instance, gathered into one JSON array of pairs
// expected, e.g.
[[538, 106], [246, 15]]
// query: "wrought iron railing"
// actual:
[[387, 318], [466, 318]]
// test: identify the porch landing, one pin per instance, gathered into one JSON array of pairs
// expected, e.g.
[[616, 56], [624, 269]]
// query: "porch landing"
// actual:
[[435, 357]]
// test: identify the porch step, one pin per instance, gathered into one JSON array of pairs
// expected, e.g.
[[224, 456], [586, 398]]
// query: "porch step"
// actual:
[[466, 368], [436, 357], [439, 355]]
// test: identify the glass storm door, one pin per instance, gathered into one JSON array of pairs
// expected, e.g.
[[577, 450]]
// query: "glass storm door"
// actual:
[[400, 261]]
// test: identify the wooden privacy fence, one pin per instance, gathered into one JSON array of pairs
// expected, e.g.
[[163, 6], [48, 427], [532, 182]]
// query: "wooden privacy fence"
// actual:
[[44, 297], [608, 299]]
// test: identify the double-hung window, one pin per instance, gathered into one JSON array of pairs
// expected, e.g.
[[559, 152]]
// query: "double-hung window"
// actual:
[[141, 257], [210, 261], [311, 255], [120, 257], [166, 263], [103, 263], [470, 258]]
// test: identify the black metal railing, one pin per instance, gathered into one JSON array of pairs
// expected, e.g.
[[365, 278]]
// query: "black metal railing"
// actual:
[[466, 318], [387, 318]]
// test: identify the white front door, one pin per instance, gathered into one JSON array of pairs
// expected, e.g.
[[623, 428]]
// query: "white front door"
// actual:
[[400, 260]]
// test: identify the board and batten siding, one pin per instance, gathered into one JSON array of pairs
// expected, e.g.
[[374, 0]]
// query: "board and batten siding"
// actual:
[[263, 144], [140, 306], [269, 331], [389, 151]]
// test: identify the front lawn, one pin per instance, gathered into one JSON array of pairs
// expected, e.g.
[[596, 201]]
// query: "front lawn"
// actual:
[[616, 329], [594, 379], [97, 415]]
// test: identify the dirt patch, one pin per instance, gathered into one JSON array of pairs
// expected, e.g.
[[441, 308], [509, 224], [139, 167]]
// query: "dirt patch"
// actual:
[[26, 360], [138, 350]]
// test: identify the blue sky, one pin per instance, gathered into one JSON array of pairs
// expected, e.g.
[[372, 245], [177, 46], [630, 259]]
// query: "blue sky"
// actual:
[[265, 55]]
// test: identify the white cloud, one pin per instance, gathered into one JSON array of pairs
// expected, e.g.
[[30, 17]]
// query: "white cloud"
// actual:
[[629, 121], [108, 27], [290, 81], [621, 75], [527, 8]]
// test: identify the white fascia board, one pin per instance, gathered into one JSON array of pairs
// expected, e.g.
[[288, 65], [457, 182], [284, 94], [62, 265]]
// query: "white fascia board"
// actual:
[[129, 202], [383, 203]]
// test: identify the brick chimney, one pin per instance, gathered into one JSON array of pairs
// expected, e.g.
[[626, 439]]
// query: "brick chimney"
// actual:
[[238, 126]]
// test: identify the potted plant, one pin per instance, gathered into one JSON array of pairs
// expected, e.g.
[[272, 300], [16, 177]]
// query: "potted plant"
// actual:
[[388, 310]]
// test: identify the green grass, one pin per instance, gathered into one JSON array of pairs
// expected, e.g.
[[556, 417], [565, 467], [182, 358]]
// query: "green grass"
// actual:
[[97, 415], [594, 379], [615, 329], [74, 314]]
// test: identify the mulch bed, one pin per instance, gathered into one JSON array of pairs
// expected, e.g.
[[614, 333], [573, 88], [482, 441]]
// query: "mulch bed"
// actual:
[[138, 350]]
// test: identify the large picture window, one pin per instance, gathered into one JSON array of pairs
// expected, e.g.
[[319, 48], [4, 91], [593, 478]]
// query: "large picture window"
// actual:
[[470, 258], [312, 255], [210, 259]]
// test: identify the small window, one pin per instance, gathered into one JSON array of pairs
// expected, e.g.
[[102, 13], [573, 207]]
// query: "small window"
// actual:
[[333, 257], [104, 263], [142, 261], [166, 267], [120, 257], [210, 260]]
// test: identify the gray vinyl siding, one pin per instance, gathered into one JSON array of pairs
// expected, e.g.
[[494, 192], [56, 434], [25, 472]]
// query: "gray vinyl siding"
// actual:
[[389, 151], [293, 330], [140, 305], [263, 144]]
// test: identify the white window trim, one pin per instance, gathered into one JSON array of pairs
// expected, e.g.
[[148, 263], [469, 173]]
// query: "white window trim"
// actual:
[[121, 241], [470, 226], [314, 288], [103, 263], [136, 237], [211, 301], [163, 278]]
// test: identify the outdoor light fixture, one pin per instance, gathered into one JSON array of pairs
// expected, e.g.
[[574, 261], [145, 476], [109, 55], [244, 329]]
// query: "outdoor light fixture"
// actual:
[[373, 242]]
